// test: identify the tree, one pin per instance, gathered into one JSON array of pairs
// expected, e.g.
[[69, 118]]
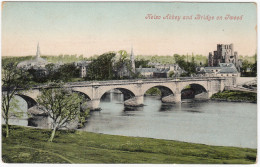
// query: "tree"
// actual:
[[171, 74], [13, 81], [101, 68], [254, 67], [62, 106], [68, 71], [142, 63]]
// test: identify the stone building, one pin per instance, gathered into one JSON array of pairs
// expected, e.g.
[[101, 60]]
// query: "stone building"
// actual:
[[224, 54], [222, 70], [146, 72], [83, 66], [162, 71]]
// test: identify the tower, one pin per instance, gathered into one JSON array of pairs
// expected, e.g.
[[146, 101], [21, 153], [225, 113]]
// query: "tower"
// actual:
[[210, 59], [38, 54], [132, 58]]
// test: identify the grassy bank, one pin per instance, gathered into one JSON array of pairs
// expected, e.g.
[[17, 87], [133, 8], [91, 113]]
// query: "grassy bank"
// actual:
[[236, 96], [29, 145]]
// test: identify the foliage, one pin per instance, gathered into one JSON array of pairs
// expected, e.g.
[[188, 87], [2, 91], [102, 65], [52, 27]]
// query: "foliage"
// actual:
[[67, 71], [7, 59], [153, 91], [101, 68], [199, 59], [235, 96], [13, 81], [249, 59], [62, 106], [122, 66], [252, 66], [171, 74], [189, 67], [28, 145], [83, 115], [63, 58], [142, 63]]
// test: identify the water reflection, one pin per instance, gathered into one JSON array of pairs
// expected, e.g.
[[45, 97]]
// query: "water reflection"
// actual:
[[166, 107], [207, 122]]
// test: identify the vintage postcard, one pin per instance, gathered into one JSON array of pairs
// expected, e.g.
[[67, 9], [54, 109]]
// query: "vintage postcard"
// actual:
[[139, 82]]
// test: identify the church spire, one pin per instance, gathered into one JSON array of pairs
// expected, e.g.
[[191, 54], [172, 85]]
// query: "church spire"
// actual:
[[38, 54], [132, 58]]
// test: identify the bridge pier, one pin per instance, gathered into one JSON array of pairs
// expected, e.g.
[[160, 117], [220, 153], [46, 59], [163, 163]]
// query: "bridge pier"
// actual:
[[177, 97], [94, 104], [210, 94], [135, 101], [173, 98], [168, 99]]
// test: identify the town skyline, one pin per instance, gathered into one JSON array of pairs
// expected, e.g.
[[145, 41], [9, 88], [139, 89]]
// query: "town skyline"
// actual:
[[122, 25]]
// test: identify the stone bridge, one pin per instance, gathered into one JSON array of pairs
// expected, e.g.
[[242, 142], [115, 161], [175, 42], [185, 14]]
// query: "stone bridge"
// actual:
[[134, 90]]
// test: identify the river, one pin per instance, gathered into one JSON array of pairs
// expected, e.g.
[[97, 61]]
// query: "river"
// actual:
[[206, 122]]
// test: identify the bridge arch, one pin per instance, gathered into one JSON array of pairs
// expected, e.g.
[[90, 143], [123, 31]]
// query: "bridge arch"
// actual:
[[29, 100], [86, 92], [165, 91], [128, 94], [193, 89], [200, 83], [86, 96]]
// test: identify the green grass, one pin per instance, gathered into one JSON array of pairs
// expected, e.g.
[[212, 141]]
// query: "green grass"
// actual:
[[29, 145], [235, 96]]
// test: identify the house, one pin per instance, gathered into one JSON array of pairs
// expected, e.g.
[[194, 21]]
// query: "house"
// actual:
[[82, 65], [160, 72], [223, 70], [146, 72]]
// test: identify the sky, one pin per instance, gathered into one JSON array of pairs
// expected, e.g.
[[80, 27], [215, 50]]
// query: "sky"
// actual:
[[90, 28]]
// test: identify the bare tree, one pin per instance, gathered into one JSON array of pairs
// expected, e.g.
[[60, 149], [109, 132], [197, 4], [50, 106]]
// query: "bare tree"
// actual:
[[62, 105], [13, 81]]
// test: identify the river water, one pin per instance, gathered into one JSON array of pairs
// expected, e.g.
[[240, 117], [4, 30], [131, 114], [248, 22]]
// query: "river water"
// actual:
[[206, 122]]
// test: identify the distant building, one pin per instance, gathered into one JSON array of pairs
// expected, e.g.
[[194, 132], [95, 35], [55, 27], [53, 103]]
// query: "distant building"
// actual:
[[224, 54], [83, 66], [161, 71], [36, 63], [223, 70], [146, 72], [175, 68]]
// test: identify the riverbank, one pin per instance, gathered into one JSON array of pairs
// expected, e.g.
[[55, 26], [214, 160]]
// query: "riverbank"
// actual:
[[29, 145], [235, 96]]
